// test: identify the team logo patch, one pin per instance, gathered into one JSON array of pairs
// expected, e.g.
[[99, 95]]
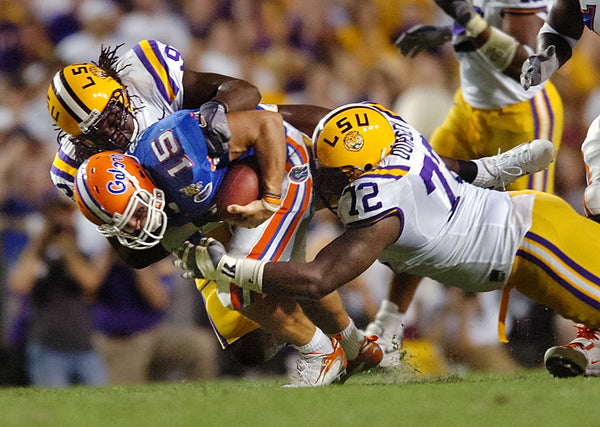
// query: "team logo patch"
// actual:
[[298, 174], [198, 191], [353, 141]]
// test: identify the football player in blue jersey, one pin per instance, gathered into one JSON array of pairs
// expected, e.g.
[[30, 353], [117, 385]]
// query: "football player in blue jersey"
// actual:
[[556, 41], [403, 206], [165, 195], [106, 106]]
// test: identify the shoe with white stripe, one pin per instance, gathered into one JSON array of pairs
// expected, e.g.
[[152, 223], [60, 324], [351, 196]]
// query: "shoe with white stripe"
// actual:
[[580, 357], [501, 170]]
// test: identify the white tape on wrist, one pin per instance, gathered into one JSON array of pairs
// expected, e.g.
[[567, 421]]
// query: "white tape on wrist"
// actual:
[[500, 49], [247, 273], [476, 26], [271, 207], [270, 107]]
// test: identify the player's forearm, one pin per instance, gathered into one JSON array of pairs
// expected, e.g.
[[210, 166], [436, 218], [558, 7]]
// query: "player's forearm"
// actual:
[[564, 27], [297, 280], [270, 148]]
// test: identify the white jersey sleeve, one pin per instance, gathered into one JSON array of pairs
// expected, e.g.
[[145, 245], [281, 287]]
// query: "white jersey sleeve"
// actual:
[[152, 72]]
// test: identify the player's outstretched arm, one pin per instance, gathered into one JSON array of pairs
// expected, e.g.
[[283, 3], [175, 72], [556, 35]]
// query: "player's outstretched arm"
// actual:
[[338, 263], [303, 117], [555, 43]]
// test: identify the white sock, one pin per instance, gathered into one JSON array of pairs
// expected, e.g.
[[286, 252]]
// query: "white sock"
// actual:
[[320, 343], [351, 340]]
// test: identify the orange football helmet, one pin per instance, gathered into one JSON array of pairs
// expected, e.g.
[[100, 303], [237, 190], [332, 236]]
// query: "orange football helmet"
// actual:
[[114, 192]]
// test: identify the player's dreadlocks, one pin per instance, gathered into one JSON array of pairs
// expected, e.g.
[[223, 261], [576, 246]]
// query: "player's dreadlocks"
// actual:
[[108, 60]]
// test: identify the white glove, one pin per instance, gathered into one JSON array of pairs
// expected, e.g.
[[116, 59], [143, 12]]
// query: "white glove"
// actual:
[[539, 67], [209, 260], [200, 261]]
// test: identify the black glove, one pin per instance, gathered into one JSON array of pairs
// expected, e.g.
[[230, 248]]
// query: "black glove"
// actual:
[[461, 10], [422, 37], [213, 122]]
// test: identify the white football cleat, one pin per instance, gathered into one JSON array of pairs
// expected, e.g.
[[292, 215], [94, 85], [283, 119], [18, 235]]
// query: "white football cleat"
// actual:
[[317, 369], [580, 357], [389, 342], [499, 171]]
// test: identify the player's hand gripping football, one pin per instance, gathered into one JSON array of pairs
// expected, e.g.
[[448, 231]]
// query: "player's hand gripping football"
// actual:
[[214, 125], [539, 67], [200, 261], [251, 215], [422, 37]]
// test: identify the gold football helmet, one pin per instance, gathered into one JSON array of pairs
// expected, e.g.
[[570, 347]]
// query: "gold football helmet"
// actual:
[[92, 107], [355, 136], [347, 142]]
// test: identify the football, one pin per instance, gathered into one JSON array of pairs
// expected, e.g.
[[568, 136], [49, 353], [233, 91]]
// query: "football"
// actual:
[[240, 186]]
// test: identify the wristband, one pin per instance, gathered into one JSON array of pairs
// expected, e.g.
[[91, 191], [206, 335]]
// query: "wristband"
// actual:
[[270, 107], [475, 26], [269, 205], [500, 49], [247, 273]]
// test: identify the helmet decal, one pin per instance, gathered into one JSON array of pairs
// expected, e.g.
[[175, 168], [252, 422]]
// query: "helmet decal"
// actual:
[[353, 141]]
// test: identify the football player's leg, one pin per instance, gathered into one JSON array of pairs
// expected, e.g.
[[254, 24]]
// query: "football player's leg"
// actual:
[[388, 324], [362, 351], [557, 266], [241, 338]]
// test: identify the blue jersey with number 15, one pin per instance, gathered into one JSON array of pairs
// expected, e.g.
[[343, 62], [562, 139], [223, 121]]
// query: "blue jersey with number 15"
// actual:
[[174, 153]]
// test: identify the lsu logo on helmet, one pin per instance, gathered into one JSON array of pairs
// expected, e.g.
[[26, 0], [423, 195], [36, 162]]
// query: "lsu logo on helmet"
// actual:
[[356, 135]]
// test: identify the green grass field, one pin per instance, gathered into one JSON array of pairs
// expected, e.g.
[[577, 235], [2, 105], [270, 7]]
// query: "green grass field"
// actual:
[[528, 398]]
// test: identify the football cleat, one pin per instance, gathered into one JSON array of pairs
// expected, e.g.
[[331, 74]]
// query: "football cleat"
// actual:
[[499, 171], [369, 355], [580, 357], [317, 369], [389, 343]]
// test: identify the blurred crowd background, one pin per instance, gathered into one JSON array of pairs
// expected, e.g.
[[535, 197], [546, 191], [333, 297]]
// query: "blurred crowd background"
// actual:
[[323, 52]]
